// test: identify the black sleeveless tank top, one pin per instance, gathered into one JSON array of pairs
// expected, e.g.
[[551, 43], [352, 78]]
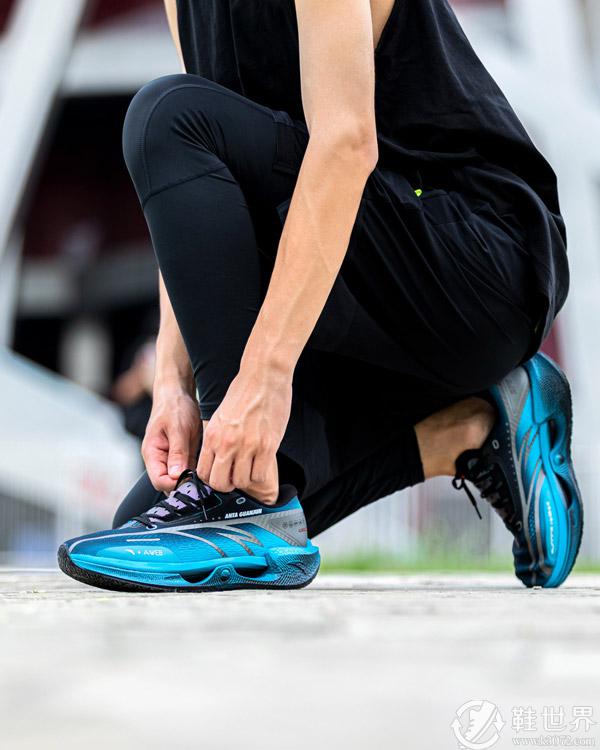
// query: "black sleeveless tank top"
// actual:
[[438, 110]]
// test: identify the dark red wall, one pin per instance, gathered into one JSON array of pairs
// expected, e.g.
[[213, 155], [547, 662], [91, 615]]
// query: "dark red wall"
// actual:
[[5, 7], [99, 11], [103, 10]]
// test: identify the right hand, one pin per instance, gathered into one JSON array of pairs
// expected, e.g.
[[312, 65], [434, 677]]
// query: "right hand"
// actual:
[[172, 437]]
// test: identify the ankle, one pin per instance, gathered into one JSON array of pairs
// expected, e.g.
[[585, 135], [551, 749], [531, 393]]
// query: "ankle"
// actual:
[[443, 436]]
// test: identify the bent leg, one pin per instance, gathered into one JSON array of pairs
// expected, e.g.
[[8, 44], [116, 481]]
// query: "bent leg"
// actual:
[[393, 467], [195, 152]]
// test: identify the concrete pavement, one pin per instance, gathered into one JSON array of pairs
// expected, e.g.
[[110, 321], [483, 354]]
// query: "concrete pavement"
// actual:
[[350, 662]]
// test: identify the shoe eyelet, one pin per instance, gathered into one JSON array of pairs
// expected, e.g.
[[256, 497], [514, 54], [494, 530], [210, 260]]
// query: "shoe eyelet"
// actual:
[[152, 526], [495, 445], [559, 459]]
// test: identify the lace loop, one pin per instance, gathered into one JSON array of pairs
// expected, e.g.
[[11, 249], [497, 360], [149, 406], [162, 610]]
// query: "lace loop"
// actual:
[[458, 482], [491, 483]]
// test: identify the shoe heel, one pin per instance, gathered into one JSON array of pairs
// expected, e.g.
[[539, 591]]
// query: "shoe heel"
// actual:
[[551, 396], [551, 402], [295, 566]]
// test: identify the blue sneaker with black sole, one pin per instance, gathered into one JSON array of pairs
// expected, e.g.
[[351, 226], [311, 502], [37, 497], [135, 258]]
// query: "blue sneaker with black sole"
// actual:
[[525, 471], [197, 539]]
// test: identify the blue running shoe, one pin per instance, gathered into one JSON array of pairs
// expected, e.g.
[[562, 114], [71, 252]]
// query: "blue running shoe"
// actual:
[[197, 539], [524, 470]]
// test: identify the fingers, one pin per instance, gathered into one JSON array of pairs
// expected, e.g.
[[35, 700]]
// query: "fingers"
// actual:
[[225, 470], [221, 475], [242, 469], [155, 460], [215, 464], [261, 466], [178, 459], [171, 439], [164, 482], [205, 461], [227, 462], [268, 491]]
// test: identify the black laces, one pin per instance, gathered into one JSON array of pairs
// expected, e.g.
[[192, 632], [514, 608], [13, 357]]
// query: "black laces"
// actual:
[[491, 483], [177, 504], [459, 484]]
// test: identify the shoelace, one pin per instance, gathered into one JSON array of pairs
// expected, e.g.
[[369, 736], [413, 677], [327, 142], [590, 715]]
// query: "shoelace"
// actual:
[[176, 505], [459, 483], [492, 486]]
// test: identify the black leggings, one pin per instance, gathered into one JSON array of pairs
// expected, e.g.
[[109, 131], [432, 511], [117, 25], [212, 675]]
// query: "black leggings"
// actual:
[[407, 329]]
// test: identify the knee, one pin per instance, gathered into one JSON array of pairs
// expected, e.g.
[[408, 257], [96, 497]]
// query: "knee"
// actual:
[[156, 124]]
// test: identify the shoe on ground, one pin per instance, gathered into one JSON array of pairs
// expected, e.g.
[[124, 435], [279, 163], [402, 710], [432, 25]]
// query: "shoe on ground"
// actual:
[[525, 471], [197, 539]]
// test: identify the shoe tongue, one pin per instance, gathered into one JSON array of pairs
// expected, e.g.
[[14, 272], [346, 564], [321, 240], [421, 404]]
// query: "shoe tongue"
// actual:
[[191, 489], [188, 488]]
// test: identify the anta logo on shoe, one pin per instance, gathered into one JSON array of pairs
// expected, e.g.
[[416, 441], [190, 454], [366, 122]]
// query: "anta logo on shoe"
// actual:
[[244, 513], [152, 552]]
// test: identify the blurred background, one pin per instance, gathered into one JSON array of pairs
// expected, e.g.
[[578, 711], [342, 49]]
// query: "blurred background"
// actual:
[[78, 278]]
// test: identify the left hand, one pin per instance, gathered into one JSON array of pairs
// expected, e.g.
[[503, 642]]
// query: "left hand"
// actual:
[[244, 434]]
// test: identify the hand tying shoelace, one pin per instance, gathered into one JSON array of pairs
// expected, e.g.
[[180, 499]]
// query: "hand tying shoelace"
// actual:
[[188, 497]]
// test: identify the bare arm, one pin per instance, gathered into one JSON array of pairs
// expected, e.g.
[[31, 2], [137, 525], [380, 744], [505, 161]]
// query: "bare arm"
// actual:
[[172, 361], [337, 69], [171, 10]]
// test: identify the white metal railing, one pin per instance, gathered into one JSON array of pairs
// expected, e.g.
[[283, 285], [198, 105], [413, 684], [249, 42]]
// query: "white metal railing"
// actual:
[[64, 455], [35, 53]]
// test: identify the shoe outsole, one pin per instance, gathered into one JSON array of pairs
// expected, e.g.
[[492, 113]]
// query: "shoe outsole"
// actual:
[[293, 574], [552, 401]]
